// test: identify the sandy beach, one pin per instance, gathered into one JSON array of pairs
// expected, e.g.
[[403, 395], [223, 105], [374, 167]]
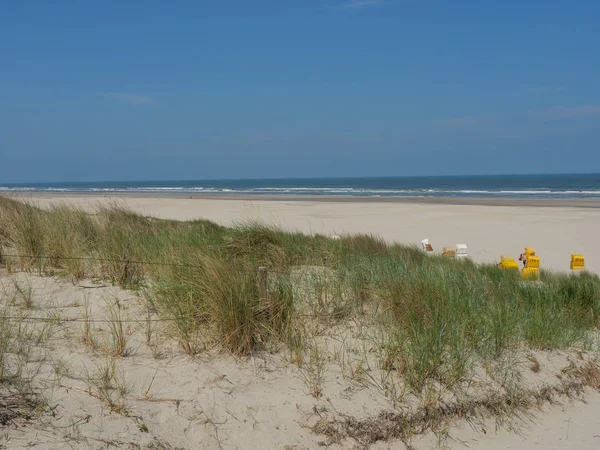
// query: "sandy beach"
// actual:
[[215, 402], [154, 396], [490, 227]]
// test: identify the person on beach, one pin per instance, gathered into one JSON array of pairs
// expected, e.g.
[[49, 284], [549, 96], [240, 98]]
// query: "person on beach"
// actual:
[[523, 257]]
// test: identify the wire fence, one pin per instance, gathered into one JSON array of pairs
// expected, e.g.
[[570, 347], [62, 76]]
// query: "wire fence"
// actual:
[[312, 271], [297, 274], [82, 320], [100, 259]]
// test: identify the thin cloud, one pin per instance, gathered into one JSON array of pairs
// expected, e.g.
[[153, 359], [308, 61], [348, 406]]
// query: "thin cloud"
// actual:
[[359, 4], [570, 112], [512, 124], [132, 99], [547, 89], [552, 113]]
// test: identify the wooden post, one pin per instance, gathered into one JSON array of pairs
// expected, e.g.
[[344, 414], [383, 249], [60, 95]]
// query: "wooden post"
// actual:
[[262, 283]]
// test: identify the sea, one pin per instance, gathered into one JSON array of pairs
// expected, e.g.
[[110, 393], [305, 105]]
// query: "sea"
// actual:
[[537, 186]]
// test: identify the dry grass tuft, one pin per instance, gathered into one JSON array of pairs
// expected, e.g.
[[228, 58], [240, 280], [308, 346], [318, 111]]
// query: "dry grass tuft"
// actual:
[[390, 425], [312, 371], [20, 360], [117, 346], [500, 405], [109, 385], [589, 373], [87, 329], [23, 293]]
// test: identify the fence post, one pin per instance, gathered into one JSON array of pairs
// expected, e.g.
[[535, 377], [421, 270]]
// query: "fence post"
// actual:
[[262, 283], [2, 261]]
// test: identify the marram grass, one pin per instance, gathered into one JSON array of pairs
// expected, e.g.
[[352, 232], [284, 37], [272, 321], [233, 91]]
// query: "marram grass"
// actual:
[[437, 316]]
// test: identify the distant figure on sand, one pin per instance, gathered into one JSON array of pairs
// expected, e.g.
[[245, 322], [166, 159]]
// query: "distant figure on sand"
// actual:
[[523, 257]]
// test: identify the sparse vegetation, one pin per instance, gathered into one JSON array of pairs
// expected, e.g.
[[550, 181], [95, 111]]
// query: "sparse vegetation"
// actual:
[[312, 371], [18, 358], [23, 294], [500, 404], [117, 344], [109, 385], [425, 322], [87, 331]]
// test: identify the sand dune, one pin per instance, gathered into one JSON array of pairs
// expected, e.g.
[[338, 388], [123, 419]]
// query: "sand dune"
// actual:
[[216, 401], [156, 397]]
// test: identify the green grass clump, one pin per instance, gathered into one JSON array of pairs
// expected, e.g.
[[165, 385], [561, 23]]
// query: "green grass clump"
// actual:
[[217, 302], [22, 229]]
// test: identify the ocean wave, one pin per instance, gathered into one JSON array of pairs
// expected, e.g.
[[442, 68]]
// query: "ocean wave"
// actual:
[[313, 190]]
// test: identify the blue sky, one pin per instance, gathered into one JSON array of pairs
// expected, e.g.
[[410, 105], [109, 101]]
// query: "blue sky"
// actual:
[[149, 90]]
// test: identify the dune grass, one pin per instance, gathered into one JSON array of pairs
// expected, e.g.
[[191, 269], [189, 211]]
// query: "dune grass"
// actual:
[[438, 317]]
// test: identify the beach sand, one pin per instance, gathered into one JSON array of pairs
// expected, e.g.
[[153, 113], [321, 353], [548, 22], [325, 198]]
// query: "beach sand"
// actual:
[[489, 227], [217, 401]]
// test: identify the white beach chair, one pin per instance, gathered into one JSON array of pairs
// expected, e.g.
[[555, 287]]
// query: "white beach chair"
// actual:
[[426, 245]]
